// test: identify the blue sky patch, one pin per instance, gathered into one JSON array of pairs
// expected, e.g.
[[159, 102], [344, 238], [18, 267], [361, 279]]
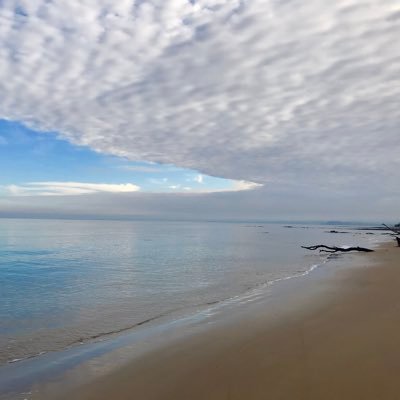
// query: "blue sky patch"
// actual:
[[27, 157]]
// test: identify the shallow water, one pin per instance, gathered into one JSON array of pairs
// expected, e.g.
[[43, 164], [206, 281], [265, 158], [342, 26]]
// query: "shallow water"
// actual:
[[66, 282]]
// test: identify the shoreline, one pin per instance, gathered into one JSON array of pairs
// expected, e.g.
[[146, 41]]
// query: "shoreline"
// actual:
[[181, 312], [263, 351], [30, 372], [177, 314], [266, 263]]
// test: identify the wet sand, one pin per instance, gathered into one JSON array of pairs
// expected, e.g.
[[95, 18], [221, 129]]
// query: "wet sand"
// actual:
[[341, 341]]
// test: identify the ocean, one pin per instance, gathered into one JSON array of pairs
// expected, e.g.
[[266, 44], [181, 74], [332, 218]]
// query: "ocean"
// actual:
[[67, 282]]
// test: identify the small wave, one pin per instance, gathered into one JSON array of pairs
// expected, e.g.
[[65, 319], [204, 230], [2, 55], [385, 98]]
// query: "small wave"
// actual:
[[249, 295], [15, 360]]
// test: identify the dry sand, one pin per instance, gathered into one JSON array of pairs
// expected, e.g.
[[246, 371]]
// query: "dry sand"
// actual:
[[344, 346]]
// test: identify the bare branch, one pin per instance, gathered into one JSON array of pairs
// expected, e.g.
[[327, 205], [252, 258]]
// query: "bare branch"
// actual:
[[334, 249], [397, 232]]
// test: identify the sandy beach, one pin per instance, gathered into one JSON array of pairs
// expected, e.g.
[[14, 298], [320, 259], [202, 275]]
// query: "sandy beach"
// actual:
[[346, 345]]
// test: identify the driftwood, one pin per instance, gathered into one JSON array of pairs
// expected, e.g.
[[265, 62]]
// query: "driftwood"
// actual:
[[334, 249], [396, 232]]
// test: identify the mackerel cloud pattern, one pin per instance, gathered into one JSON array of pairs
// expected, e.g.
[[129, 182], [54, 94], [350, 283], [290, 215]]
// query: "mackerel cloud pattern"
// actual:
[[255, 90]]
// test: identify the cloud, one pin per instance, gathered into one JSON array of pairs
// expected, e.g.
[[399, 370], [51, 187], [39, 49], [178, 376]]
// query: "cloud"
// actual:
[[150, 169], [235, 186], [198, 178], [34, 189], [68, 188], [147, 170], [267, 203], [239, 186], [267, 91]]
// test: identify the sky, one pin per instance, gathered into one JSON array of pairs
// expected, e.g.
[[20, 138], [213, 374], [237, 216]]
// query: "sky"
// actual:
[[41, 164], [209, 109]]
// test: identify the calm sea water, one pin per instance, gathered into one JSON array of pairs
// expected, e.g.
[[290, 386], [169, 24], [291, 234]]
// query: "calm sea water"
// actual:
[[65, 282]]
